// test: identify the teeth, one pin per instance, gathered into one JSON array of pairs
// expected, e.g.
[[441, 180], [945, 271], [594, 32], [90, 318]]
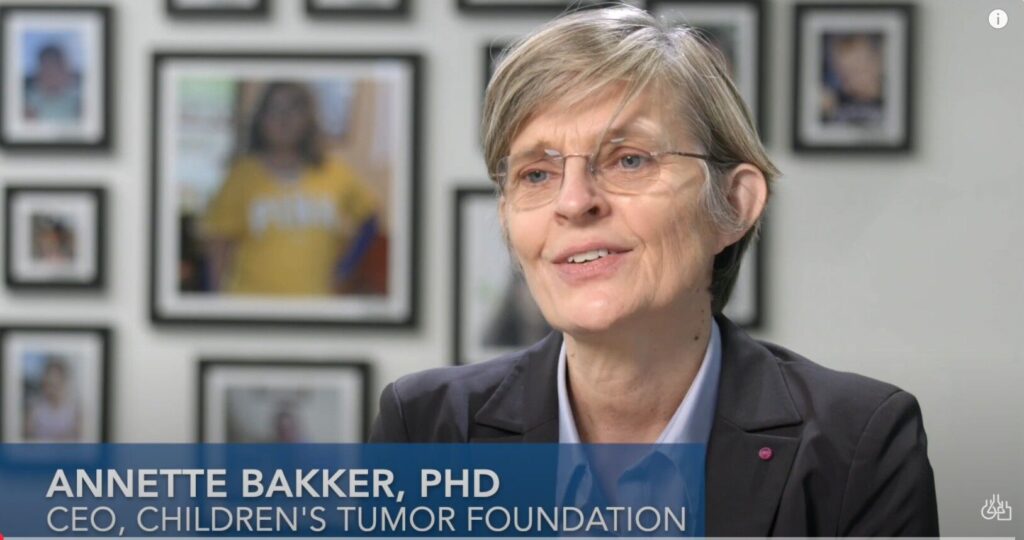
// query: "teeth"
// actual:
[[588, 256]]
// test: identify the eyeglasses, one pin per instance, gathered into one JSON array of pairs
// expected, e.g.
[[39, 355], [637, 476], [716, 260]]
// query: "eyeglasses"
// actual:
[[533, 178]]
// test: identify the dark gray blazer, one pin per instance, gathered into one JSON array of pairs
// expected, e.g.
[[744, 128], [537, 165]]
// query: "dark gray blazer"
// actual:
[[849, 453]]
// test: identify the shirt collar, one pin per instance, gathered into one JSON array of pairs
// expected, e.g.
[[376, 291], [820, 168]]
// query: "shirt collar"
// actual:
[[692, 421]]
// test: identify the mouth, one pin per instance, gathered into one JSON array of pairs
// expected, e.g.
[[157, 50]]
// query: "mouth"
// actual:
[[582, 265], [588, 256]]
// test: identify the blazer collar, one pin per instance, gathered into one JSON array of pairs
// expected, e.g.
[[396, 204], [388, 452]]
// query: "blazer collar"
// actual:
[[752, 393], [755, 411]]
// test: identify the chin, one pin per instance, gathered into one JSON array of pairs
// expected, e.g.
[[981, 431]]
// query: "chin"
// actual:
[[593, 317]]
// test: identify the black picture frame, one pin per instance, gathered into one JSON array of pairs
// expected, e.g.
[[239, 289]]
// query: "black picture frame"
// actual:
[[318, 370], [57, 274], [481, 326], [94, 93], [749, 79], [400, 9], [534, 7], [259, 10], [403, 248], [102, 375], [491, 51], [748, 304], [881, 125]]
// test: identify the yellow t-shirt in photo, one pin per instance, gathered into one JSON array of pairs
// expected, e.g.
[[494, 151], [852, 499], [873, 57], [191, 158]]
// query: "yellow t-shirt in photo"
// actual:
[[288, 235]]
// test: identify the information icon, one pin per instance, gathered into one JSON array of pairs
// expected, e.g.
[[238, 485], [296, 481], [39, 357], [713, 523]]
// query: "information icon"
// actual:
[[998, 18]]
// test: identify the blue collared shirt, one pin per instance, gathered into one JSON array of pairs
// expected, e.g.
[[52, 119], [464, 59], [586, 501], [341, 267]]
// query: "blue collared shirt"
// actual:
[[692, 420], [669, 475]]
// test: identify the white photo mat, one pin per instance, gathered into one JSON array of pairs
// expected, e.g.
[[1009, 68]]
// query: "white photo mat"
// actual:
[[399, 77]]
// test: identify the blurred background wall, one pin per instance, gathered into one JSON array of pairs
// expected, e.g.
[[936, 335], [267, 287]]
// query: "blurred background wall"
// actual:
[[905, 268]]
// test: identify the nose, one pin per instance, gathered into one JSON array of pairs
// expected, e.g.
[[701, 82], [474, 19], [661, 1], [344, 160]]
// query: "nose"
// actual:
[[579, 196]]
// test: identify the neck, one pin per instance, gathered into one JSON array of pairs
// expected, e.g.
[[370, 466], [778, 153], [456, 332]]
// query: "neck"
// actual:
[[625, 386], [282, 159]]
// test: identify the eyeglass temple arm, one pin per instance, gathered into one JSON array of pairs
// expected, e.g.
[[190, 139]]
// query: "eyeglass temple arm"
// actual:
[[705, 157]]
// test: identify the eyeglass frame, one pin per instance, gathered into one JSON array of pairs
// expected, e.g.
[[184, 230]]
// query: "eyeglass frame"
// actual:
[[501, 178]]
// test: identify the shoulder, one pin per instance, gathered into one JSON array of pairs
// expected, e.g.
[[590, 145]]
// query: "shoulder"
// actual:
[[764, 385], [822, 392], [514, 393], [439, 404], [455, 385], [864, 440], [850, 420]]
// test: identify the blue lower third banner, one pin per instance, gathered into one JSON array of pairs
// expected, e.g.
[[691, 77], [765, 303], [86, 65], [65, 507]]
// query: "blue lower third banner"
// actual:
[[352, 490]]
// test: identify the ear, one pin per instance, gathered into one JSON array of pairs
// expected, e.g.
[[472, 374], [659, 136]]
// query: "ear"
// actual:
[[747, 193]]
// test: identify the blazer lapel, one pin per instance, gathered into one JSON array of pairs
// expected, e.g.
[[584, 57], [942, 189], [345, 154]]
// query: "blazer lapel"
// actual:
[[753, 440], [524, 407]]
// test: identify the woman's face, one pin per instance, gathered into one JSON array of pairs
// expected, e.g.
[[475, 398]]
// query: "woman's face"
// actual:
[[859, 66], [286, 120], [660, 245], [53, 72], [53, 382]]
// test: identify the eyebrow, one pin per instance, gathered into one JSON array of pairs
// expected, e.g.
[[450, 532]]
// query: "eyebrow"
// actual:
[[626, 132], [616, 134]]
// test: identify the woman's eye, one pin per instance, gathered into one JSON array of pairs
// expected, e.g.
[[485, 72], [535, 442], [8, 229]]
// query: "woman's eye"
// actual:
[[534, 176], [632, 161]]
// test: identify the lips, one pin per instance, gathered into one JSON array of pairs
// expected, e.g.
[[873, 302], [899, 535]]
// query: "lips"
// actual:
[[586, 262], [589, 252]]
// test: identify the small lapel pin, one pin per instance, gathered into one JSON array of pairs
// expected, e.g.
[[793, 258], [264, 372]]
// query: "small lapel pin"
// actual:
[[765, 453]]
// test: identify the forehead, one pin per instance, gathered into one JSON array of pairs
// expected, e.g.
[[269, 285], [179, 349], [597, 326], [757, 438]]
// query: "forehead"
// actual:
[[580, 126]]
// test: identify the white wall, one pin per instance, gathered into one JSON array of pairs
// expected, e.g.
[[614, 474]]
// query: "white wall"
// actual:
[[904, 268]]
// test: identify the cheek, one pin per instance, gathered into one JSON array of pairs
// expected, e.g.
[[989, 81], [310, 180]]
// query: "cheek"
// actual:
[[525, 237], [682, 247]]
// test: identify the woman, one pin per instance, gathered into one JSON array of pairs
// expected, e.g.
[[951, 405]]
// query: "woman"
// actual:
[[632, 180], [54, 414], [289, 219]]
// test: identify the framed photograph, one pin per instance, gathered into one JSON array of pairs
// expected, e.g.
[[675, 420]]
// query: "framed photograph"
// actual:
[[346, 8], [283, 401], [56, 73], [284, 188], [53, 237], [738, 29], [746, 305], [534, 6], [54, 384], [494, 312], [217, 8], [853, 78]]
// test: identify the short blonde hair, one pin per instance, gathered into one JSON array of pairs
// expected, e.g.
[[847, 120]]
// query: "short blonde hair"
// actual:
[[581, 54]]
